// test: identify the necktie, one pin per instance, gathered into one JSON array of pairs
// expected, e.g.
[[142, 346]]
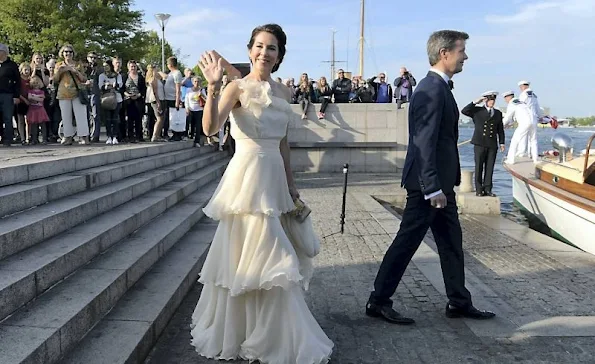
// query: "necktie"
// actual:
[[451, 84]]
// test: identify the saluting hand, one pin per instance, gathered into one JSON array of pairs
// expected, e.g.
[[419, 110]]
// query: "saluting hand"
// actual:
[[479, 100]]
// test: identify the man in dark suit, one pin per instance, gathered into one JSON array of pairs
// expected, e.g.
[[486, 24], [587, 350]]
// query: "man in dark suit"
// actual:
[[488, 131], [431, 172]]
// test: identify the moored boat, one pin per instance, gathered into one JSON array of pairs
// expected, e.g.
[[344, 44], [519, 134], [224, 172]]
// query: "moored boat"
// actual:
[[560, 192]]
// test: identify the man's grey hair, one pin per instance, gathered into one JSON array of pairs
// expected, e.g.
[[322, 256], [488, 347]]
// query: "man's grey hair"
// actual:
[[443, 39]]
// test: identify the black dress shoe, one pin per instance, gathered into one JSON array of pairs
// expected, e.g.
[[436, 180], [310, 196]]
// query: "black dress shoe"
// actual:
[[468, 312], [490, 194], [387, 314]]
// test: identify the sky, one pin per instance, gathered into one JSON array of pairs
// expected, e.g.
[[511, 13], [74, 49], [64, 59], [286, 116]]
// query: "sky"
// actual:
[[550, 43]]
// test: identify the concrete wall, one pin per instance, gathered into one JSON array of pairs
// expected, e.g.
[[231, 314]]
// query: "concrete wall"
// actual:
[[370, 137]]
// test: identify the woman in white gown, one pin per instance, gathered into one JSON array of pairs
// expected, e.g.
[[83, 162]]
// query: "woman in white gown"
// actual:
[[252, 303]]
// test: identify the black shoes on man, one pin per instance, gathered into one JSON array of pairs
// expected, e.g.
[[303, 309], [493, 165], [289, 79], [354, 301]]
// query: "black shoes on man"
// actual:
[[388, 314], [469, 312]]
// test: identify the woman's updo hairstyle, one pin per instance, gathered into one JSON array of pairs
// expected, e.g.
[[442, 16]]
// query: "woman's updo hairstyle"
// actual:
[[276, 31]]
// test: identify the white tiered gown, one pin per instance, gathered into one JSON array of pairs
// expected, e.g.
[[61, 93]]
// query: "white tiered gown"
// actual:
[[252, 303]]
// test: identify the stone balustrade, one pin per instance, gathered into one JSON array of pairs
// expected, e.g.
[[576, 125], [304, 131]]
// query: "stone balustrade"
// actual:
[[370, 137]]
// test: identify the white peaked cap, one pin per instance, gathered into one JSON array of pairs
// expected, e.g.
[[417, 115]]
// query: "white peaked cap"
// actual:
[[508, 93], [523, 82], [489, 93]]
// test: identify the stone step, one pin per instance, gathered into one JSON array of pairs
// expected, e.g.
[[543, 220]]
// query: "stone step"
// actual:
[[131, 329], [28, 274], [30, 227], [53, 324], [22, 196], [17, 172]]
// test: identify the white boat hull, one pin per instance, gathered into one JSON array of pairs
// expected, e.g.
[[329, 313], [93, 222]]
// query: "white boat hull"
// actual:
[[571, 223]]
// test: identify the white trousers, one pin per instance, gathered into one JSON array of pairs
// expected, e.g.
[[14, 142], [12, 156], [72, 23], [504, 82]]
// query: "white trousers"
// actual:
[[524, 133], [67, 107], [522, 148]]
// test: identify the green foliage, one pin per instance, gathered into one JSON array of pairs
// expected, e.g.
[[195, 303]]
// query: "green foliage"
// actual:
[[198, 72], [587, 121], [148, 44], [108, 27]]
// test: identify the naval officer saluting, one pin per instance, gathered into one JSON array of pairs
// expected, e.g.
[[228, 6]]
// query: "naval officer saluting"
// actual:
[[489, 130]]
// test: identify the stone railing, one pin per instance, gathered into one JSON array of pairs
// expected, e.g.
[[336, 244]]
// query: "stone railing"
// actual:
[[370, 137]]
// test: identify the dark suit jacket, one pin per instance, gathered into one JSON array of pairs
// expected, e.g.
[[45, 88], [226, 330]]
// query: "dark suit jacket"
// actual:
[[432, 161], [488, 130]]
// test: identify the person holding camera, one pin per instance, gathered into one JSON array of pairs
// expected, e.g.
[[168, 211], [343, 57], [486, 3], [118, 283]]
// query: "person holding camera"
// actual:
[[404, 87]]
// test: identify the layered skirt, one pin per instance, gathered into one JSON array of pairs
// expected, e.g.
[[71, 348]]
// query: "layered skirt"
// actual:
[[252, 303]]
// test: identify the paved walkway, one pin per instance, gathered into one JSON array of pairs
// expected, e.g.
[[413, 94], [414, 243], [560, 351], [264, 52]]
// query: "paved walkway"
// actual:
[[542, 290]]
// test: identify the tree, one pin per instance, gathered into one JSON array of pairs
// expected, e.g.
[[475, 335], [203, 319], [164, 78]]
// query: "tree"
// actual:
[[149, 45], [198, 72], [587, 121], [108, 27]]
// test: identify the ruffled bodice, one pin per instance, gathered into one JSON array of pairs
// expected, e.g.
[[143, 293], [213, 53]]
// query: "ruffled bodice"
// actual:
[[261, 115], [255, 180]]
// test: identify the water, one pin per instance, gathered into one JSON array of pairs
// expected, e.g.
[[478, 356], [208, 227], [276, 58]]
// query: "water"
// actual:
[[502, 180]]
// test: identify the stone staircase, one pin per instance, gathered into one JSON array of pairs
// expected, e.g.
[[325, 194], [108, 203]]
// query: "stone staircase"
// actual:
[[97, 251]]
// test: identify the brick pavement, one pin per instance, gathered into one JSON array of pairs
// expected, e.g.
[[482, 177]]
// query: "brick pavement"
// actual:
[[530, 281]]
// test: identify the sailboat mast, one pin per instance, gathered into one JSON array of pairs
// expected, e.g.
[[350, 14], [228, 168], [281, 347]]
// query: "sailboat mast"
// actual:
[[361, 41], [333, 57]]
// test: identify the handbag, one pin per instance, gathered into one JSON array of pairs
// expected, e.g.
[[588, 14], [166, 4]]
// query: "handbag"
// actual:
[[109, 100], [301, 211], [298, 227], [82, 94], [301, 235]]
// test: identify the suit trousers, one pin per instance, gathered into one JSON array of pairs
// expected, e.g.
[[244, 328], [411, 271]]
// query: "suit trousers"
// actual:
[[485, 158], [418, 216], [6, 110]]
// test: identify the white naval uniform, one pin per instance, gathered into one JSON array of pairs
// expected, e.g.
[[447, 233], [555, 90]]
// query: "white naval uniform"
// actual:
[[529, 98], [526, 130]]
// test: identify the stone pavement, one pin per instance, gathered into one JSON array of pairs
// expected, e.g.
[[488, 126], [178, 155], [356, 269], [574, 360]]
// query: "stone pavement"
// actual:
[[543, 291]]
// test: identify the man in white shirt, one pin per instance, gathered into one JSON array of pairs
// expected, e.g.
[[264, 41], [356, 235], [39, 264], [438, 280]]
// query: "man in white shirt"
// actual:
[[519, 111], [173, 94], [528, 97]]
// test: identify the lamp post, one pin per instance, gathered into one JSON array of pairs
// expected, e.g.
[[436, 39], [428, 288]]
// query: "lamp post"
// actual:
[[162, 19]]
